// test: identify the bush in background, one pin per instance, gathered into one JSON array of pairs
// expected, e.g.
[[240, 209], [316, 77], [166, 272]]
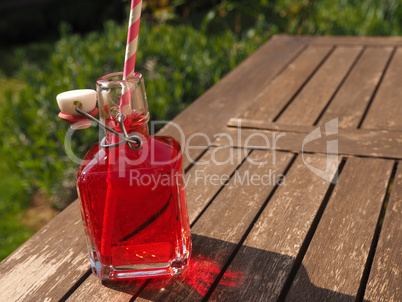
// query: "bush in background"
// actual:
[[339, 17]]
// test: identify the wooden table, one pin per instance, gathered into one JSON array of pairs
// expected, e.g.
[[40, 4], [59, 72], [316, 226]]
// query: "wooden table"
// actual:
[[300, 237]]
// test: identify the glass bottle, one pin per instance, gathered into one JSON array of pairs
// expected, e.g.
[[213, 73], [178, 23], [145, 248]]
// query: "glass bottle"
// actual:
[[133, 201]]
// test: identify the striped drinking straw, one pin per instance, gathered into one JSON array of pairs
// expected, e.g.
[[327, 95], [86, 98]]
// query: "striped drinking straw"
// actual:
[[124, 108], [131, 53]]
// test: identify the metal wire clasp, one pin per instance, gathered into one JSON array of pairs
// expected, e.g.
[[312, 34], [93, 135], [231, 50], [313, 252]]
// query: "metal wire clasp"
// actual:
[[134, 142]]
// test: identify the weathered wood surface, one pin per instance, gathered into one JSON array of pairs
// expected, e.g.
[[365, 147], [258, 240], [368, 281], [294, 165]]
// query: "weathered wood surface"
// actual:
[[266, 125], [306, 239], [352, 99], [275, 96], [337, 254], [95, 290], [270, 250], [386, 109], [385, 281], [385, 144], [49, 263], [218, 163], [372, 41], [312, 99]]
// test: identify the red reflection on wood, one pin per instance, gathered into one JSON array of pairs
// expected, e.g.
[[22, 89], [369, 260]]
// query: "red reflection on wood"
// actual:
[[200, 276]]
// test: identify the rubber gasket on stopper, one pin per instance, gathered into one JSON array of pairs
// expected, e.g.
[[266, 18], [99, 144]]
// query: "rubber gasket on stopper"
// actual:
[[78, 122]]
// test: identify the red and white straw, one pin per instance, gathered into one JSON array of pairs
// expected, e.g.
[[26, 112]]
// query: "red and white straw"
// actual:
[[131, 52], [125, 108], [132, 38]]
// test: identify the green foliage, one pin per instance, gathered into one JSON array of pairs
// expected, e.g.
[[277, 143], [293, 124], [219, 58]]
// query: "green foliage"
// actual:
[[340, 17], [179, 63], [305, 17], [367, 18], [14, 198]]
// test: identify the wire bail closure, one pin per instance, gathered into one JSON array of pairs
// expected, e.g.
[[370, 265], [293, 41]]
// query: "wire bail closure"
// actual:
[[134, 142]]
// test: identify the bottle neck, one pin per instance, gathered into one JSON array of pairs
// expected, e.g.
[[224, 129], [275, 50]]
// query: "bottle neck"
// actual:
[[134, 124]]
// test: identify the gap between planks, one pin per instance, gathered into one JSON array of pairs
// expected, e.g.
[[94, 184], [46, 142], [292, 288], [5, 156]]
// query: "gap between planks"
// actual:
[[342, 241], [218, 240], [385, 284], [274, 243], [359, 142]]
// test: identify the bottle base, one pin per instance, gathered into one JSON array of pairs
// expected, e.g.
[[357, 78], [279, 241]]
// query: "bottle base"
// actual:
[[104, 272]]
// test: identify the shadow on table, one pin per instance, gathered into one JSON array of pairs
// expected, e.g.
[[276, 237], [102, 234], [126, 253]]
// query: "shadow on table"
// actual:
[[254, 274]]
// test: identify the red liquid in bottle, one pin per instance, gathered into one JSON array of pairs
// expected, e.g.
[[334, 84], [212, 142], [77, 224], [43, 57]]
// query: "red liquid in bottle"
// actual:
[[133, 207]]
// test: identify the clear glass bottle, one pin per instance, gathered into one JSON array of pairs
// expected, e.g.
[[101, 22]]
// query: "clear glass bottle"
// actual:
[[133, 201]]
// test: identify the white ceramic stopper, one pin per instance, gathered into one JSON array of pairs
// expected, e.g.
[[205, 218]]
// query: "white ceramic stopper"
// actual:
[[68, 100]]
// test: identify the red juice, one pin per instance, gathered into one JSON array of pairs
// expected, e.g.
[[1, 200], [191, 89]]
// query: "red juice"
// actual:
[[133, 206]]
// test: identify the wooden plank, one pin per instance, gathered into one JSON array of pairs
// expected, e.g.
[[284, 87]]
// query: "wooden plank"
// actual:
[[386, 109], [350, 102], [371, 143], [355, 40], [49, 263], [266, 125], [269, 252], [210, 112], [333, 265], [309, 103], [270, 101], [218, 231], [385, 281], [200, 189], [95, 290]]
